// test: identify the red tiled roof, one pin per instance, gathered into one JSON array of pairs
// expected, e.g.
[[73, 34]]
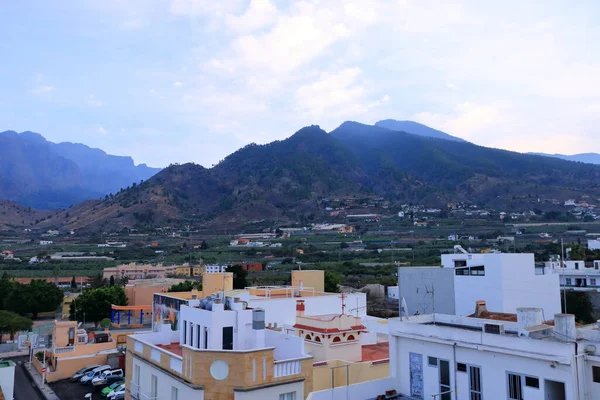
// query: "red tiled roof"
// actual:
[[329, 330], [376, 352], [174, 348]]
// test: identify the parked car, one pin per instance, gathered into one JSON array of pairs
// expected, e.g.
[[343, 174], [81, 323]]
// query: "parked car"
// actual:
[[117, 394], [83, 371], [120, 387], [87, 379], [108, 377]]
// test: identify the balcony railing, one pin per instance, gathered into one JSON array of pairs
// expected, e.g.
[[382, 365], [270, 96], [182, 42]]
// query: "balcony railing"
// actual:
[[66, 349], [287, 368]]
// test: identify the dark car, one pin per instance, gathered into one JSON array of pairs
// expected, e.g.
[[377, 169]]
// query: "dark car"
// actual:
[[83, 371]]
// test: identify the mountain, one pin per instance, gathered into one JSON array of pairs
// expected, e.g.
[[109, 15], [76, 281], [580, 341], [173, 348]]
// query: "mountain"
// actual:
[[416, 129], [588, 158], [45, 175], [286, 181], [13, 215]]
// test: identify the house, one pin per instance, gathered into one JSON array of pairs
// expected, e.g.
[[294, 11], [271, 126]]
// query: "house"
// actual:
[[221, 350], [214, 269], [7, 255], [46, 242], [594, 244], [573, 274]]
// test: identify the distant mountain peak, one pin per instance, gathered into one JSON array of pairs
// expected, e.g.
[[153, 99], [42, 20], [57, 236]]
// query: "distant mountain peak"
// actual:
[[588, 158], [416, 128]]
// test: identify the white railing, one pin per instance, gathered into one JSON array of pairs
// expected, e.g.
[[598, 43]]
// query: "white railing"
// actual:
[[287, 368], [66, 349]]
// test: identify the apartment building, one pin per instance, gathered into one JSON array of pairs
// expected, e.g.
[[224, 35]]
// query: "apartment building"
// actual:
[[504, 281], [574, 275], [139, 271], [220, 351], [450, 357]]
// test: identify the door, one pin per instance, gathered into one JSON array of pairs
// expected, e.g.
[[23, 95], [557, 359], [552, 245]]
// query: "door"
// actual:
[[475, 383], [554, 390], [228, 338], [444, 367], [416, 375]]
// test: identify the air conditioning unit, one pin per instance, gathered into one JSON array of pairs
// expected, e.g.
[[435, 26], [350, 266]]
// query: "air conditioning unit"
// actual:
[[590, 350], [494, 329]]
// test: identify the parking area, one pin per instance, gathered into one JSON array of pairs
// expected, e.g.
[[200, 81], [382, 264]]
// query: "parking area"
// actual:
[[67, 390]]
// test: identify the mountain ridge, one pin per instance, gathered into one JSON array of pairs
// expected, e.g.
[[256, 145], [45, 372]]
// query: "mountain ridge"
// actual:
[[416, 128]]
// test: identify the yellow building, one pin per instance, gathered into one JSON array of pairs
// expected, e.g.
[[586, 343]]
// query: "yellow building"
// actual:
[[314, 279], [185, 271], [66, 307]]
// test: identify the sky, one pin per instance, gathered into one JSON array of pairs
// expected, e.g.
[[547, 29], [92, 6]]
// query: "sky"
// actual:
[[174, 81]]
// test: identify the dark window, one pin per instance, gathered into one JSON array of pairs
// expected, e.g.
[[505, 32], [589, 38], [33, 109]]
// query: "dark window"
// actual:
[[445, 390], [461, 367], [460, 263], [478, 271], [596, 374], [461, 271], [228, 338], [475, 383], [184, 332], [432, 361], [532, 382], [515, 390]]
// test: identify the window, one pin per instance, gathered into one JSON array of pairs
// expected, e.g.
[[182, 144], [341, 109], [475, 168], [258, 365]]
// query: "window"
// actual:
[[336, 339], [475, 383], [174, 393], [153, 386], [515, 388], [592, 281], [576, 265], [461, 367], [533, 382], [569, 281], [288, 396], [351, 337], [478, 271], [596, 374], [307, 337], [445, 391], [461, 271], [432, 361]]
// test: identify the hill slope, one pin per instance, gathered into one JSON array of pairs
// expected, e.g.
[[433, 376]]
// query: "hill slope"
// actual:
[[416, 129], [588, 158], [285, 181], [46, 175]]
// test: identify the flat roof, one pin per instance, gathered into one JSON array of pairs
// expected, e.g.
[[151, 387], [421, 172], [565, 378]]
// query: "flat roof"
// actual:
[[6, 363], [376, 352]]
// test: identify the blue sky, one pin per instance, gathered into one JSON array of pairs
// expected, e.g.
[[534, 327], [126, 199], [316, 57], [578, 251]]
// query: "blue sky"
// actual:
[[193, 80]]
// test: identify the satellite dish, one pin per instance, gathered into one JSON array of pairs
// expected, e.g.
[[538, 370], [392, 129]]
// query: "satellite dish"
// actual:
[[403, 308]]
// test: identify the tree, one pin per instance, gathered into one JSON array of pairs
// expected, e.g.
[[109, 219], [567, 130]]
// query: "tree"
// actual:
[[39, 296], [73, 283], [185, 286], [579, 304], [11, 323], [239, 276], [96, 303], [112, 281], [203, 245], [577, 253], [332, 282], [6, 287], [96, 281]]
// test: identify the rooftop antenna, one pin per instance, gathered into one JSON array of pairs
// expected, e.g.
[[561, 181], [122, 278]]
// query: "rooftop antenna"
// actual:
[[562, 265], [343, 303], [432, 293]]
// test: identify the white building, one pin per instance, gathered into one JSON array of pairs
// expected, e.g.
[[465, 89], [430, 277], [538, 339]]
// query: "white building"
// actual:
[[574, 274], [594, 244], [215, 269], [221, 351], [7, 379], [472, 358], [504, 281], [46, 242]]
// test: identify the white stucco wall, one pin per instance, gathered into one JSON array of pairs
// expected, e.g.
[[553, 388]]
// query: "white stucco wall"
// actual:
[[165, 382], [7, 381], [272, 392]]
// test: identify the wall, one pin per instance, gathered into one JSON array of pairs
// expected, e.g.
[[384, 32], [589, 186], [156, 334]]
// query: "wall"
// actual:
[[324, 378], [416, 285], [494, 367], [66, 367], [309, 279], [286, 346], [7, 379], [217, 282], [166, 308], [283, 311], [361, 391], [272, 392], [143, 295]]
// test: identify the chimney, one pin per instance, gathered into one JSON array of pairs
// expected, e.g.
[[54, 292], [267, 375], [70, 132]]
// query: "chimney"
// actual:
[[480, 308], [258, 328], [300, 308], [218, 305], [564, 327], [529, 316]]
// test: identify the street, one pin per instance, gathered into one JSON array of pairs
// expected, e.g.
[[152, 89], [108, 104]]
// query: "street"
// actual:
[[24, 388]]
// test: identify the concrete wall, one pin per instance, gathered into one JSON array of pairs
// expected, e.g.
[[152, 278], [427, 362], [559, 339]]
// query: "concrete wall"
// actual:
[[361, 391], [419, 284], [341, 373], [286, 346], [271, 392], [143, 295], [216, 282]]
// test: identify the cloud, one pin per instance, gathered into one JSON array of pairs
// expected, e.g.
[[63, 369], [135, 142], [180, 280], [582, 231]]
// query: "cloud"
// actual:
[[195, 8], [42, 90], [101, 131], [94, 102], [260, 13], [177, 84]]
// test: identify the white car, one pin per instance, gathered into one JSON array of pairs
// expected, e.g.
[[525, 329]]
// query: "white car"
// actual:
[[87, 379], [117, 394]]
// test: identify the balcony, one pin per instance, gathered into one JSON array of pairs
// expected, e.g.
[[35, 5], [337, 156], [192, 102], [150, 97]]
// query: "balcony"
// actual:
[[287, 368], [61, 350]]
